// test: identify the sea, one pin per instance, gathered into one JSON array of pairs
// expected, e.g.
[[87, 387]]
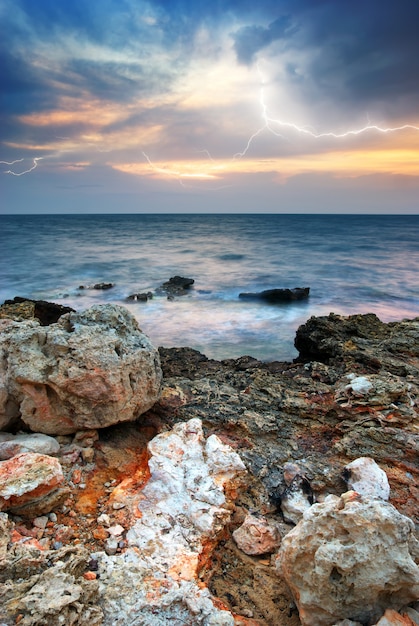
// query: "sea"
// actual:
[[351, 263]]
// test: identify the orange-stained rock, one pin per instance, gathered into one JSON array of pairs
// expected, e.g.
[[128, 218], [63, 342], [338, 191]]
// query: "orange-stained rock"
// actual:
[[392, 618], [27, 478], [87, 371]]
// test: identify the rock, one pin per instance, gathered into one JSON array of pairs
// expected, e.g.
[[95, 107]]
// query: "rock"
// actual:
[[297, 497], [278, 295], [393, 618], [28, 480], [366, 478], [10, 445], [184, 507], [24, 308], [140, 297], [349, 558], [87, 371], [257, 536], [98, 286], [175, 286]]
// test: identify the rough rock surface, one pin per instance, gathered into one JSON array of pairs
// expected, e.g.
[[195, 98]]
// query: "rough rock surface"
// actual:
[[296, 426], [29, 479], [89, 370], [366, 478], [182, 510], [257, 536], [11, 445], [350, 558]]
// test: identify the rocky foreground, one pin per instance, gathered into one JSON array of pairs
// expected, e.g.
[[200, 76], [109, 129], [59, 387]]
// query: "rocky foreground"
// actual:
[[144, 487]]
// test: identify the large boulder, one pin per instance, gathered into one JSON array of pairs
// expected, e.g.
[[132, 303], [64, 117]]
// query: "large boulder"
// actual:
[[350, 557], [89, 370]]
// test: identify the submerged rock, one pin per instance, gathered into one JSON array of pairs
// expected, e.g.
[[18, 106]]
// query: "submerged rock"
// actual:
[[89, 370], [350, 557]]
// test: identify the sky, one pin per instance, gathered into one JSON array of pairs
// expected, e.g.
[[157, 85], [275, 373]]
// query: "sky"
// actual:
[[224, 106]]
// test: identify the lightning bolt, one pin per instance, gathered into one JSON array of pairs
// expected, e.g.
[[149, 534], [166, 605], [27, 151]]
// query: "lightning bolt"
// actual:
[[273, 125], [12, 173]]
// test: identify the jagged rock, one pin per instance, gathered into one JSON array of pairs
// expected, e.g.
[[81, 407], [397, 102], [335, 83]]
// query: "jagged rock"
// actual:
[[89, 370], [183, 509], [11, 445], [363, 339], [25, 308], [278, 295], [47, 588], [366, 478], [297, 497], [175, 286], [28, 479], [350, 558], [257, 536]]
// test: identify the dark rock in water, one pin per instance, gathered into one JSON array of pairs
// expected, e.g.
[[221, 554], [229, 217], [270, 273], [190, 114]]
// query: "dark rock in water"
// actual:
[[24, 308], [278, 295], [175, 286], [102, 286], [140, 297]]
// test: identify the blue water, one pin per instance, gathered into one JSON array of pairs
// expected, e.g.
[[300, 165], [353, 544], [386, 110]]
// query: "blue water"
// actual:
[[352, 264]]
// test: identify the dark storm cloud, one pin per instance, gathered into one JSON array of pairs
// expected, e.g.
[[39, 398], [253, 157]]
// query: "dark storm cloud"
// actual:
[[250, 40]]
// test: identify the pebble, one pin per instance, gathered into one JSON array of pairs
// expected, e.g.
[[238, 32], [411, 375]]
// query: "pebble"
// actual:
[[116, 531], [111, 546], [53, 517], [118, 505], [104, 519], [41, 522]]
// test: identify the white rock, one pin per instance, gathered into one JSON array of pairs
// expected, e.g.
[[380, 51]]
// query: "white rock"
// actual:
[[359, 385], [155, 579], [11, 445], [349, 558], [365, 477]]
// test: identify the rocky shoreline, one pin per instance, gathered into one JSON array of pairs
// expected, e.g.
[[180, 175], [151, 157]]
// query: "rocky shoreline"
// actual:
[[197, 504]]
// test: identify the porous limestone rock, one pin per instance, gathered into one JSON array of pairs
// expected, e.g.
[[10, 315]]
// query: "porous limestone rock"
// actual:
[[11, 445], [184, 508], [89, 370], [349, 558], [257, 536], [366, 478], [28, 478]]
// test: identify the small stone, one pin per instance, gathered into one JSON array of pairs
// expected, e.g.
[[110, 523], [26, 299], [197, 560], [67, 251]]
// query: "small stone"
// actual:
[[116, 531], [104, 519], [257, 536], [76, 476], [53, 517], [41, 522], [111, 546], [90, 575], [88, 455], [118, 505]]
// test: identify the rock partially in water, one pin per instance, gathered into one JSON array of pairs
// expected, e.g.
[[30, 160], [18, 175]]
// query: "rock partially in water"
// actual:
[[175, 286], [350, 557], [278, 295], [89, 370]]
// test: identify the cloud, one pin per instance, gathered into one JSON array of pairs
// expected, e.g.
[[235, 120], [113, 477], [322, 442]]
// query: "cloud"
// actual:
[[249, 40]]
